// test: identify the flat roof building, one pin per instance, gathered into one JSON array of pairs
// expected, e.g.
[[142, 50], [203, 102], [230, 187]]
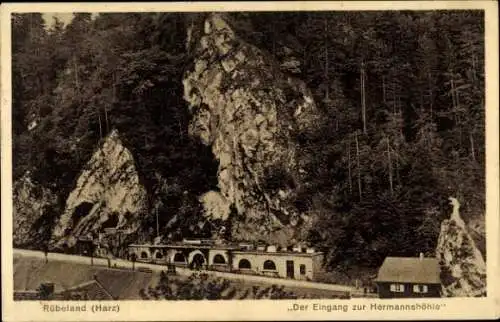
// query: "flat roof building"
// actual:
[[232, 257]]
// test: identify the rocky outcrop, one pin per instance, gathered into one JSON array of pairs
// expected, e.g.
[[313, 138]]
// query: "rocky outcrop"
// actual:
[[250, 113], [107, 195], [31, 202], [463, 269]]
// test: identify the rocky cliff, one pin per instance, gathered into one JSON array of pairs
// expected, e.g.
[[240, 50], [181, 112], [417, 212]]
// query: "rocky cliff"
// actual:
[[107, 195], [31, 202], [463, 269], [249, 112]]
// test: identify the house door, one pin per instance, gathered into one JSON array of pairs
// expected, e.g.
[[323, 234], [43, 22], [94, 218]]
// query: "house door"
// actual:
[[289, 269]]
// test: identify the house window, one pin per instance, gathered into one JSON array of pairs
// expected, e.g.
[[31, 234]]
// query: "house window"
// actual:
[[144, 255], [269, 265], [302, 269], [420, 289], [399, 288], [159, 255]]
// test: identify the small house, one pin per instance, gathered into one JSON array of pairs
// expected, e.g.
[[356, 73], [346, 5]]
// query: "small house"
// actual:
[[407, 277]]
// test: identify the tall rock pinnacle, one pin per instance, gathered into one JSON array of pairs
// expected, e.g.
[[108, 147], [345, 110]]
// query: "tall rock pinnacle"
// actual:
[[248, 111]]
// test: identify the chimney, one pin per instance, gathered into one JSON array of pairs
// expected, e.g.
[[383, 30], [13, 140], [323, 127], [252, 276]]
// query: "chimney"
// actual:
[[421, 256]]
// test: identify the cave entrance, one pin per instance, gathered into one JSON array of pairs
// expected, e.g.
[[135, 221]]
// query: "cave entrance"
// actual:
[[112, 221], [81, 211]]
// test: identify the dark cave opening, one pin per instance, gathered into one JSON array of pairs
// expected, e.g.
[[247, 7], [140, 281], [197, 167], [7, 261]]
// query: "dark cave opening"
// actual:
[[112, 221], [81, 211]]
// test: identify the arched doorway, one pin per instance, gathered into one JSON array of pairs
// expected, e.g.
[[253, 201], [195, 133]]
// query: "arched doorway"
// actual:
[[159, 255], [244, 264], [144, 255], [219, 259], [269, 265], [198, 261]]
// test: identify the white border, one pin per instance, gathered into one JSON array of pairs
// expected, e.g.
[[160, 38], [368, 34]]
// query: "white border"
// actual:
[[470, 308]]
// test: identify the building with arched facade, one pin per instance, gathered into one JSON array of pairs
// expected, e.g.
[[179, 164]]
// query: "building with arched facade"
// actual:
[[299, 263], [285, 264]]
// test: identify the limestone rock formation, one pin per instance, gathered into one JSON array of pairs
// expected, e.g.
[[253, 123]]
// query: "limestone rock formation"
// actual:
[[31, 202], [107, 195], [463, 269], [249, 112]]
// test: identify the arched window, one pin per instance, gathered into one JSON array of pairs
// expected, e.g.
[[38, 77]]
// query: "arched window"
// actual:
[[269, 265], [244, 263], [179, 258], [219, 259], [159, 255], [144, 255]]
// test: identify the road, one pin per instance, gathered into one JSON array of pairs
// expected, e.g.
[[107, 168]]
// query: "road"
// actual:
[[121, 263]]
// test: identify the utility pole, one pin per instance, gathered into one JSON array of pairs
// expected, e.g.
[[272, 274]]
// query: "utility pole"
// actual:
[[157, 224]]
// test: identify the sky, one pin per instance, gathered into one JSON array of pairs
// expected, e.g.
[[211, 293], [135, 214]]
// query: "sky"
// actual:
[[64, 17]]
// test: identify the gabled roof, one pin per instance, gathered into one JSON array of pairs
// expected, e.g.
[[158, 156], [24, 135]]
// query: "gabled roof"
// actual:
[[409, 270], [93, 289]]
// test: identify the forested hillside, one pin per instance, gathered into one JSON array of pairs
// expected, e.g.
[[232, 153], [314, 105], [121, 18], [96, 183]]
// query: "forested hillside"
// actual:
[[401, 97]]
